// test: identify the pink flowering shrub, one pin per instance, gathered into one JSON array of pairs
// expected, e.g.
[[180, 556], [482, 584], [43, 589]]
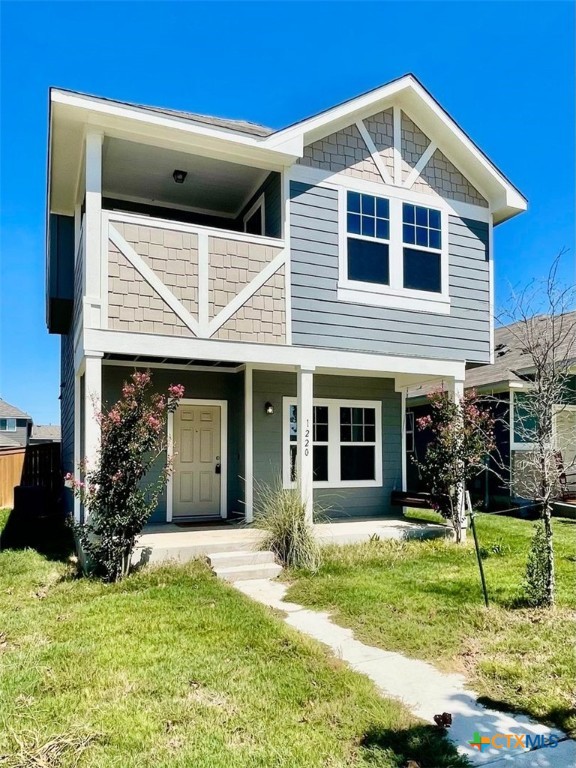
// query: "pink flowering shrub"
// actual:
[[462, 437], [115, 493]]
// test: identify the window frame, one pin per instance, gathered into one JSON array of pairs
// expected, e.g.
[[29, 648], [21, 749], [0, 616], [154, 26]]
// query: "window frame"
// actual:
[[334, 442], [259, 203], [393, 295], [9, 419], [409, 429]]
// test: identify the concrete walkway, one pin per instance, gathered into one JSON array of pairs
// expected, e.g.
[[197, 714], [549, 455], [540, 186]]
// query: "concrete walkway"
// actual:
[[422, 688]]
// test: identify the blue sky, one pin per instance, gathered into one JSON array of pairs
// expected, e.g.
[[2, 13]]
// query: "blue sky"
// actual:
[[505, 71]]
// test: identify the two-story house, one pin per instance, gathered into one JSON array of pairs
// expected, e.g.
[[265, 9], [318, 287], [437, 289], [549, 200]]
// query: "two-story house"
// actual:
[[295, 281]]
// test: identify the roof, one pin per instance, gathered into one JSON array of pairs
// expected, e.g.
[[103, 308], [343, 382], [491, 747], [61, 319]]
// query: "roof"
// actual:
[[9, 442], [11, 412], [510, 359], [46, 432], [249, 143]]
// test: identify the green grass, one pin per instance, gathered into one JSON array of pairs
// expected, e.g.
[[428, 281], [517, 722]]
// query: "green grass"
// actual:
[[4, 515], [173, 668], [424, 599]]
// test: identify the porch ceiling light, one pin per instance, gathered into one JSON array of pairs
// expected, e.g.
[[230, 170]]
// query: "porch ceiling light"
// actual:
[[179, 176], [269, 408]]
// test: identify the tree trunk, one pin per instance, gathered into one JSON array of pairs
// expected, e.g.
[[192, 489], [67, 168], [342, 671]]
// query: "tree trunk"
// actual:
[[550, 570]]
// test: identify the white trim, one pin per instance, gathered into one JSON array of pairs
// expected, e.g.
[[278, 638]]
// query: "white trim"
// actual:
[[334, 468], [248, 445], [104, 262], [223, 404], [260, 202], [203, 285], [144, 364], [285, 181], [491, 286], [178, 226], [380, 164], [397, 146], [330, 180], [394, 294], [246, 293], [305, 419], [420, 165], [92, 405], [404, 422], [167, 206], [77, 435], [153, 280], [93, 224], [130, 343]]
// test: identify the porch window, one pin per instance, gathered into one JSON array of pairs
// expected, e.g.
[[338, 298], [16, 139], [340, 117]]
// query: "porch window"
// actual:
[[410, 431], [346, 443]]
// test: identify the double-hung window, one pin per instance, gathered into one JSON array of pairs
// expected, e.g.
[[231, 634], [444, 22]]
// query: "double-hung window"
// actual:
[[346, 443], [422, 248], [368, 231], [392, 253]]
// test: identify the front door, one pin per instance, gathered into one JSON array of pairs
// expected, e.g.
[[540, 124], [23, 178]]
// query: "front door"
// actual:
[[196, 479]]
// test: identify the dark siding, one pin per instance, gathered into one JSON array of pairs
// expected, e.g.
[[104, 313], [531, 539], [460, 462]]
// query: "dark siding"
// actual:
[[339, 502], [67, 412], [320, 320], [272, 190]]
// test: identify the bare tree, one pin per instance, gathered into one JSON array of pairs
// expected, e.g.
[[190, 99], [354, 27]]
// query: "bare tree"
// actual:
[[542, 320]]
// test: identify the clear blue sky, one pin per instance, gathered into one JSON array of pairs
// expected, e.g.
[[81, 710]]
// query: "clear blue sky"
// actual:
[[505, 71]]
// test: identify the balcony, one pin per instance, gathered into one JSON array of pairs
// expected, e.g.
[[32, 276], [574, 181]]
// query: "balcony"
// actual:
[[167, 277]]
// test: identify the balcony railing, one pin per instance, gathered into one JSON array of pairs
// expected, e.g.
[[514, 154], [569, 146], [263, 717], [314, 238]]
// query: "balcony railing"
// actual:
[[168, 278]]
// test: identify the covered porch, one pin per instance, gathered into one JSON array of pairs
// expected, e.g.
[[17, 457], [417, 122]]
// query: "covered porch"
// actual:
[[336, 435]]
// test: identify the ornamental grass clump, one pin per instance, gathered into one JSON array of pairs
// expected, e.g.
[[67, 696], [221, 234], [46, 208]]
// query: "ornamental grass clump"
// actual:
[[281, 514], [116, 494]]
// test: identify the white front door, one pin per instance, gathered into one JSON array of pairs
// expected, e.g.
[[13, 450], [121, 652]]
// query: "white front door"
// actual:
[[197, 461]]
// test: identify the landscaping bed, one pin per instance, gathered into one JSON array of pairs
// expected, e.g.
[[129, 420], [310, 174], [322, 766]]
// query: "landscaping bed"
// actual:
[[172, 667], [423, 598]]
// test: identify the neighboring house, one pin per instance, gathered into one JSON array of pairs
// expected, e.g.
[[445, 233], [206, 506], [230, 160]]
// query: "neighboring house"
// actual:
[[295, 281], [15, 426], [44, 433], [505, 384]]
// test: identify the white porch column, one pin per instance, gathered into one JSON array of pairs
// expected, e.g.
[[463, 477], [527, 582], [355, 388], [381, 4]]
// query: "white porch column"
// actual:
[[305, 417], [92, 404], [404, 456], [77, 438], [93, 233], [248, 445]]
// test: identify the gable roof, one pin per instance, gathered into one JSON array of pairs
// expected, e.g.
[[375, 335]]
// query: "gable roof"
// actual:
[[9, 442], [510, 359], [276, 149], [8, 411]]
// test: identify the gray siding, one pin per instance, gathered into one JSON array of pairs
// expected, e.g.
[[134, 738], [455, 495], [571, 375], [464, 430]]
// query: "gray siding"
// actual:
[[67, 412], [341, 502], [272, 190], [320, 320], [200, 384]]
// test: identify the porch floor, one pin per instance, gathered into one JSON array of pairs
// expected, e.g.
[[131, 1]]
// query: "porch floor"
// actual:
[[170, 542]]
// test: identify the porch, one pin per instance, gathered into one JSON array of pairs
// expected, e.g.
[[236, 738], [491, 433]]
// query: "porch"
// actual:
[[159, 543]]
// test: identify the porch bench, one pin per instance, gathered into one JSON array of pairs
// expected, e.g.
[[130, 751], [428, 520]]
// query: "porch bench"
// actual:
[[411, 499]]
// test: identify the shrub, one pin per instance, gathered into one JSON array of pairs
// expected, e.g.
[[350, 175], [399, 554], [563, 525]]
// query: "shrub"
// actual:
[[536, 585], [280, 513], [114, 491]]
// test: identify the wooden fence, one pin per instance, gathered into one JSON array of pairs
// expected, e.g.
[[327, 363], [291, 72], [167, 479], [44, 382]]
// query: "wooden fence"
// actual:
[[35, 465], [11, 466]]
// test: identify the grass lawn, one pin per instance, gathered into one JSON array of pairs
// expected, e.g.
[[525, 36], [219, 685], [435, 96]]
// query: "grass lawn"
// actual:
[[424, 599], [174, 668]]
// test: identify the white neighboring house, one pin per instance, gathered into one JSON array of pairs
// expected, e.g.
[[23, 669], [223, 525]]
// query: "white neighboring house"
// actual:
[[295, 281]]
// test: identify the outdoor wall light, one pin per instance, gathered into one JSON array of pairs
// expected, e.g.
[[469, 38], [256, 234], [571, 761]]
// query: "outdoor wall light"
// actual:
[[269, 408], [179, 176]]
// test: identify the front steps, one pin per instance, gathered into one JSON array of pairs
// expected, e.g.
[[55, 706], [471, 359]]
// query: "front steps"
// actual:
[[242, 565]]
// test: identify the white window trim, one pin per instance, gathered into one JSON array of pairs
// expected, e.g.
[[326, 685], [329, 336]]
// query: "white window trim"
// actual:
[[409, 429], [258, 203], [393, 295], [515, 446], [333, 443], [10, 419]]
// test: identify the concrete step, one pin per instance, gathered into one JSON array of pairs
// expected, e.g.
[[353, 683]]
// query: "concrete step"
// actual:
[[248, 572], [230, 559]]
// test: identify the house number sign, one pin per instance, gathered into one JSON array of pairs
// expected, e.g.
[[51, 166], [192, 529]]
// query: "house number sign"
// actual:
[[307, 438]]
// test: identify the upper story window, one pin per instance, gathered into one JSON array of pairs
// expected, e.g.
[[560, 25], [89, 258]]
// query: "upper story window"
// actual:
[[368, 228], [7, 425], [422, 240], [392, 252]]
